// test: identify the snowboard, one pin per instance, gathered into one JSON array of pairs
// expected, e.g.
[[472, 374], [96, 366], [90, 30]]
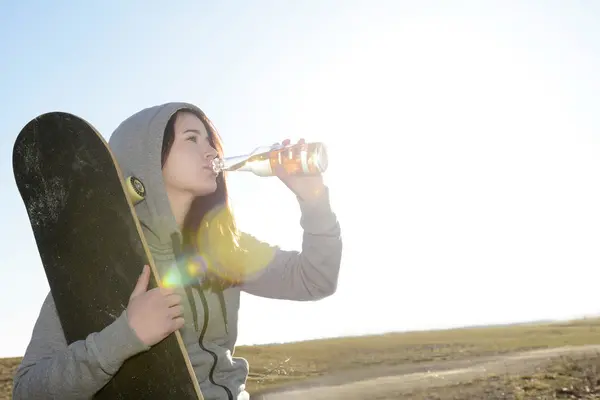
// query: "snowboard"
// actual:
[[80, 207]]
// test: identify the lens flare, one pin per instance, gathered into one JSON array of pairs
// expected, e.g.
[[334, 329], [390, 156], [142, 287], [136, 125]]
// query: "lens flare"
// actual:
[[229, 254], [171, 279], [192, 272], [224, 254]]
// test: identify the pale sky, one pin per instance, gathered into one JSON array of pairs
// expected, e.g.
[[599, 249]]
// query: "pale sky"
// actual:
[[463, 141]]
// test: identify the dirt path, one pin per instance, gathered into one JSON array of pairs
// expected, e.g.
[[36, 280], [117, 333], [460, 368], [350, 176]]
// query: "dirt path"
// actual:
[[365, 385]]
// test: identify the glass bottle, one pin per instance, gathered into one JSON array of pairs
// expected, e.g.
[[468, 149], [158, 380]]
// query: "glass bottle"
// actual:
[[296, 159]]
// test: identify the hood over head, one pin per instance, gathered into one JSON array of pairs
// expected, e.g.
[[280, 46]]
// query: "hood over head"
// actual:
[[137, 146], [225, 255]]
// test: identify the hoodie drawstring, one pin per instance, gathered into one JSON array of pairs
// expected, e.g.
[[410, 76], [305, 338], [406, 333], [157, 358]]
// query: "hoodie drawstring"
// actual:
[[223, 310], [177, 250]]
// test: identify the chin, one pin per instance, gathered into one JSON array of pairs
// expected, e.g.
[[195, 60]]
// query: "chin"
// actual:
[[206, 190]]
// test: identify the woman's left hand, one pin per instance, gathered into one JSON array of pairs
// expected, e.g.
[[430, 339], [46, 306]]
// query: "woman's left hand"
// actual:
[[309, 188]]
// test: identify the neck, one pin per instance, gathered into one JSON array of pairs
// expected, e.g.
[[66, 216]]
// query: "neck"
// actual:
[[180, 205]]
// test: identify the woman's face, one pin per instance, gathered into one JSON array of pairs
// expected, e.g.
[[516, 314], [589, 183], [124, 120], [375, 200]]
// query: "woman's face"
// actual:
[[188, 168]]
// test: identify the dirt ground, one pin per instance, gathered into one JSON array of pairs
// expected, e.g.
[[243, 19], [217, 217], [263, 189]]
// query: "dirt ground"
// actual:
[[391, 383]]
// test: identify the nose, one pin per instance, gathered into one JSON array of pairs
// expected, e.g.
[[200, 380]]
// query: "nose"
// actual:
[[211, 153]]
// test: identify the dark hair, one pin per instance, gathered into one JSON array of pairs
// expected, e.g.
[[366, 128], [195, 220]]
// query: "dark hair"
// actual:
[[202, 206]]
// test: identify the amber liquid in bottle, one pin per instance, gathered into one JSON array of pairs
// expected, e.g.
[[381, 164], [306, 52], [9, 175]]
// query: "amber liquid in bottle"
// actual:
[[297, 159]]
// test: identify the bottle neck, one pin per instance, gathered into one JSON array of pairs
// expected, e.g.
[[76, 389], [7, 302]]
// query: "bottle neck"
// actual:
[[237, 163]]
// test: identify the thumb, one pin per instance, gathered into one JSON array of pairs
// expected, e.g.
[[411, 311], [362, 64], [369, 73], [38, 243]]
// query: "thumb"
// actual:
[[142, 284]]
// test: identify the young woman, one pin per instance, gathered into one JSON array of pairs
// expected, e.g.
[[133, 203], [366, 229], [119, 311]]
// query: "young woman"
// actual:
[[184, 216]]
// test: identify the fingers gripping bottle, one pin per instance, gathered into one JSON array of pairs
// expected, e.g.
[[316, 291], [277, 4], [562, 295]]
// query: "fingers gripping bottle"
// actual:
[[296, 159]]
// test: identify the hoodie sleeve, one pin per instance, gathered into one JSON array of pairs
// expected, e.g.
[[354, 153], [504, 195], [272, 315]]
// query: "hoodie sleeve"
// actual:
[[51, 369], [311, 274]]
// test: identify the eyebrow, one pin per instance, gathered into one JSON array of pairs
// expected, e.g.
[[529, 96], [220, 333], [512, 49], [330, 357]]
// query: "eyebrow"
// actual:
[[196, 131]]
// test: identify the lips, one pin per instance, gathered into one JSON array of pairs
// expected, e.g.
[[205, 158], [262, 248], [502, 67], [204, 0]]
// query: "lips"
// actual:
[[210, 169]]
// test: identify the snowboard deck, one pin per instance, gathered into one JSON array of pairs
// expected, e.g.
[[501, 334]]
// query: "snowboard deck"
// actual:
[[92, 247]]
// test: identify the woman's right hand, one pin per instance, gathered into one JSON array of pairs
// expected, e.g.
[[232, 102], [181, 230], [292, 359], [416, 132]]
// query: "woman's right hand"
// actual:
[[153, 314]]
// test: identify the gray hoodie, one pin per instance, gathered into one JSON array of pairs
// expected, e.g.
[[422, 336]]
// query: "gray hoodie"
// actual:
[[52, 370]]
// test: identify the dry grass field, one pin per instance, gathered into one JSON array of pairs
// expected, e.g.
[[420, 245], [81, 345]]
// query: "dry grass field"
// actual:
[[342, 360]]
